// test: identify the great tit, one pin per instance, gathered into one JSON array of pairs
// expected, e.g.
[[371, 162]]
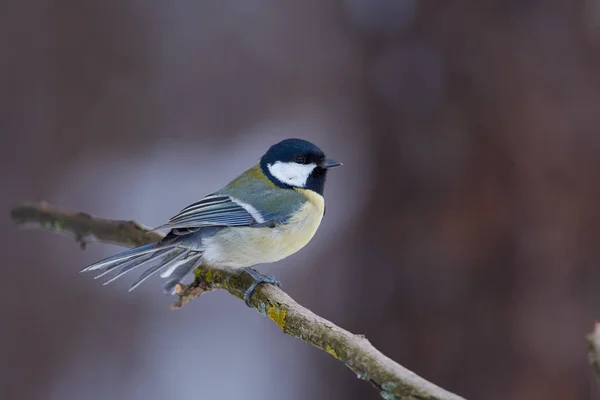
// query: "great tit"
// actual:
[[266, 214]]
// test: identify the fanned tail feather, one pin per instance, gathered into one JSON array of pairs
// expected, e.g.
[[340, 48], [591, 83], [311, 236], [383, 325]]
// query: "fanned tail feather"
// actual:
[[131, 265], [179, 273], [153, 257], [138, 251], [172, 258]]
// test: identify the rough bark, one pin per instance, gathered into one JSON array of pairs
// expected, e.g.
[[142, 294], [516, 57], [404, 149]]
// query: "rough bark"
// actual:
[[391, 379]]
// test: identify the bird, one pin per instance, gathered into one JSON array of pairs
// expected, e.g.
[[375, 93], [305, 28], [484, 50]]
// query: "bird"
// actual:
[[266, 214]]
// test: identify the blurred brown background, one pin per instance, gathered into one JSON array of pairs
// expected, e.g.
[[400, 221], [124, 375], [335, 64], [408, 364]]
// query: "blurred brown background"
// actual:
[[462, 234]]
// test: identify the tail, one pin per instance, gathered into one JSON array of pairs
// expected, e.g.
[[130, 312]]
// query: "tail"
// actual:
[[174, 262]]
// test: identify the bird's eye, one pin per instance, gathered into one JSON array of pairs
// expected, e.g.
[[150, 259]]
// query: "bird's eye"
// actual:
[[300, 160]]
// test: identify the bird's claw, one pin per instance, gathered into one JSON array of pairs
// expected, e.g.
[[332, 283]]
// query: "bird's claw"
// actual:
[[258, 279]]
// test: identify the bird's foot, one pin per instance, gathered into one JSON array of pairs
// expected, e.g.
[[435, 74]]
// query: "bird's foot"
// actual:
[[258, 279]]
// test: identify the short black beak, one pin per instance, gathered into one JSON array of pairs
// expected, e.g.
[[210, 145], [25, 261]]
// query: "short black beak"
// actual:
[[329, 163]]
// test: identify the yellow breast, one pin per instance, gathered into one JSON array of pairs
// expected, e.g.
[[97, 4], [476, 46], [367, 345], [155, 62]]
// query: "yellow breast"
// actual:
[[301, 228], [245, 247]]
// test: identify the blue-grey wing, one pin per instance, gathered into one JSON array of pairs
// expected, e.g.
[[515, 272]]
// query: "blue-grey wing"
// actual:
[[218, 210]]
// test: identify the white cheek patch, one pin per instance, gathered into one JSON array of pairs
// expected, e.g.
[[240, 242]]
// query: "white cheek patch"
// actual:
[[291, 173]]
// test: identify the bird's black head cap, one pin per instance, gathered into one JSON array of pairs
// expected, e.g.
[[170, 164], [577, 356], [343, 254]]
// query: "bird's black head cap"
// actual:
[[297, 163]]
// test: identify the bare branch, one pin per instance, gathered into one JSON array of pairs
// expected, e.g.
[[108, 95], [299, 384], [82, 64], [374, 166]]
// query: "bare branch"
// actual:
[[593, 340], [82, 225], [391, 379]]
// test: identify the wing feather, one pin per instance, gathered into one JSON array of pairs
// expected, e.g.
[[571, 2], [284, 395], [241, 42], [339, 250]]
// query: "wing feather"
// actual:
[[214, 210]]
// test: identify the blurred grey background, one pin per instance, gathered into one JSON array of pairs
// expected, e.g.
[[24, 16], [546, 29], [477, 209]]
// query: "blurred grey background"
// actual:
[[462, 234]]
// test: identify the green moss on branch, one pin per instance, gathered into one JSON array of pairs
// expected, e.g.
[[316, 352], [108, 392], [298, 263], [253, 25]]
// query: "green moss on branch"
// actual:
[[391, 379]]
